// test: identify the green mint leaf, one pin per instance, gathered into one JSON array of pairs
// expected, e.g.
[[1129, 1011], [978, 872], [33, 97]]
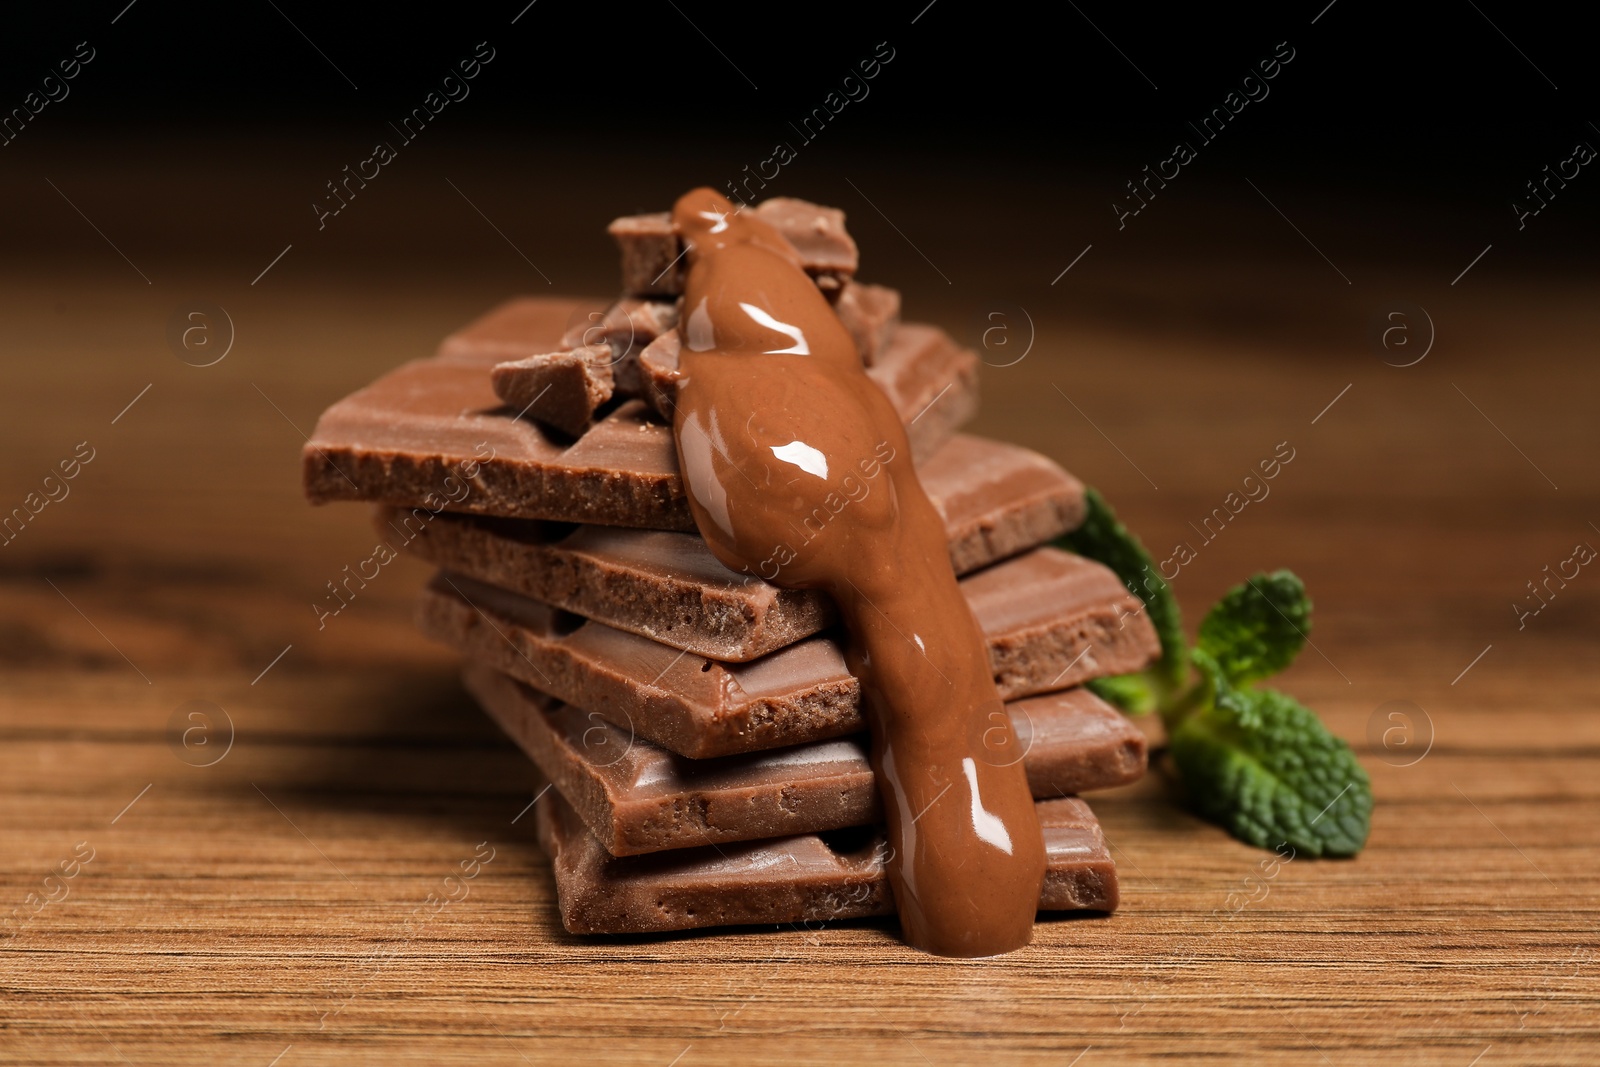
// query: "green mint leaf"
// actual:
[[1103, 538], [1258, 627], [1262, 765], [1219, 692], [1133, 693]]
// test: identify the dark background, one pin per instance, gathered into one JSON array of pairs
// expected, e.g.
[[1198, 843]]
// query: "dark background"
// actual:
[[1382, 89], [1410, 127], [1379, 172]]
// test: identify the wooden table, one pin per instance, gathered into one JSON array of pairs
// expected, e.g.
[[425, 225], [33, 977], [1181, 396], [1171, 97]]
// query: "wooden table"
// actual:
[[259, 910]]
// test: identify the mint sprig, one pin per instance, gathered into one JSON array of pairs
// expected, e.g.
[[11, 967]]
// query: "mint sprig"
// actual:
[[1260, 763], [1258, 628], [1102, 537], [1253, 760]]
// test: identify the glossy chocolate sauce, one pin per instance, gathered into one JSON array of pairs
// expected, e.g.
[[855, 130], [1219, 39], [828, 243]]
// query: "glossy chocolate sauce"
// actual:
[[798, 470]]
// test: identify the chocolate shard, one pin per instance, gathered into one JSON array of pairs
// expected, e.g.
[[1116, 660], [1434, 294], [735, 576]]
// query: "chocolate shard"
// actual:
[[628, 326], [627, 322], [931, 381], [637, 797], [996, 499], [1053, 620], [817, 233], [652, 257], [658, 372], [413, 436], [809, 878], [870, 313], [560, 389], [652, 254]]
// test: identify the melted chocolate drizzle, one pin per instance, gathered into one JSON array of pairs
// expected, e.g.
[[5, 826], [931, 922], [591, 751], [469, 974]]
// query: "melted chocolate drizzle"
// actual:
[[798, 469]]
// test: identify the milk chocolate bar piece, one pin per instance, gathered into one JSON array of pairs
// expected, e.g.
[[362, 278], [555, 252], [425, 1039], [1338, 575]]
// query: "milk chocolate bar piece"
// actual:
[[627, 326], [658, 372], [432, 433], [560, 389], [659, 584], [653, 260], [870, 313], [817, 233], [519, 328], [627, 322], [637, 797], [1053, 620], [931, 381], [996, 500], [809, 878]]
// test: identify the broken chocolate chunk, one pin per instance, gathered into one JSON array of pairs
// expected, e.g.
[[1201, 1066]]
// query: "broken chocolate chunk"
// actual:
[[560, 389]]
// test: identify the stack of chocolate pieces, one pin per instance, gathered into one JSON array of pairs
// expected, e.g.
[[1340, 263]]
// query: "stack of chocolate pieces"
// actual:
[[702, 737]]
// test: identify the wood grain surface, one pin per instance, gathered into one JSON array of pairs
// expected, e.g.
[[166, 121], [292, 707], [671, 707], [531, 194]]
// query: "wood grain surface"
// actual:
[[292, 903]]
